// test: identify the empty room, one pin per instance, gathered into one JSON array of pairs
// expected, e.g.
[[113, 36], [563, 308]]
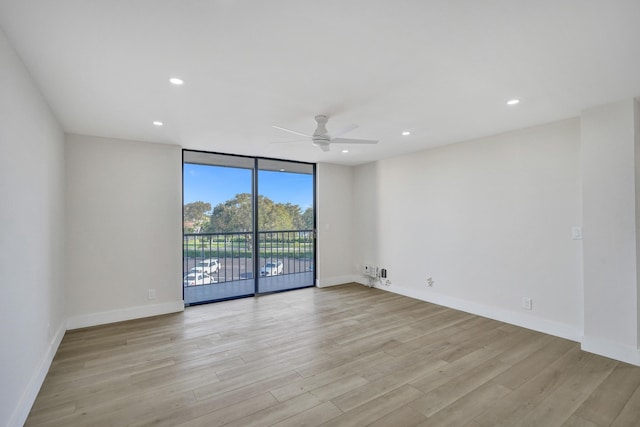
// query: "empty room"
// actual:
[[338, 213]]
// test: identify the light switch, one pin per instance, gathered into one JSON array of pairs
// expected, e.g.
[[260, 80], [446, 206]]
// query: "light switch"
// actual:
[[576, 233]]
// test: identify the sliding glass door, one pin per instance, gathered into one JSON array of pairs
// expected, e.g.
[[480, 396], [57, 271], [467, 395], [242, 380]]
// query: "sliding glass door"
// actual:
[[248, 226], [285, 226], [218, 230]]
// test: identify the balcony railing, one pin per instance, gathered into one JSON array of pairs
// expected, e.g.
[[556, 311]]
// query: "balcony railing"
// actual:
[[224, 257]]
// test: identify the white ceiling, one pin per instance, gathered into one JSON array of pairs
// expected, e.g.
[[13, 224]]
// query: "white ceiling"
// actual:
[[442, 69]]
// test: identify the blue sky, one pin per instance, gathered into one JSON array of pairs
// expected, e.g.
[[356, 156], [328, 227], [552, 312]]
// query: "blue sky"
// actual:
[[214, 184]]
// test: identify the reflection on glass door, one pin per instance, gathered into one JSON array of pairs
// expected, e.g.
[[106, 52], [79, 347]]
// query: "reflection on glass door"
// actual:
[[248, 226], [285, 225]]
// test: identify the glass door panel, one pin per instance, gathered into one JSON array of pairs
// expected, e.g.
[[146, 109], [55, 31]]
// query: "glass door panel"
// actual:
[[218, 235], [285, 225]]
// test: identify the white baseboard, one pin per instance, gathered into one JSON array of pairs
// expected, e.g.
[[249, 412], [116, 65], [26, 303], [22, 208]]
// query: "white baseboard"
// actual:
[[602, 347], [334, 281], [28, 398], [363, 281], [611, 350], [524, 320], [129, 313]]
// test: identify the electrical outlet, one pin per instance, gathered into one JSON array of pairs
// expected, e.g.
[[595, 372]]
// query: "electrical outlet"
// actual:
[[527, 303], [371, 271], [152, 294], [368, 270]]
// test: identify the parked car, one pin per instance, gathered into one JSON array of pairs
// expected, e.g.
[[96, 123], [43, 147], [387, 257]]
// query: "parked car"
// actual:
[[193, 279], [210, 265], [272, 269], [198, 269]]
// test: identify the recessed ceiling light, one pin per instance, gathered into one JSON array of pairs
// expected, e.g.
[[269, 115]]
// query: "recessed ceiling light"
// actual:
[[158, 123], [406, 133], [176, 81], [281, 170], [345, 151], [513, 101]]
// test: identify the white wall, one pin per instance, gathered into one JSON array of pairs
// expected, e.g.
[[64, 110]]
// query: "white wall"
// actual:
[[636, 125], [489, 220], [334, 224], [31, 238], [124, 223], [610, 226]]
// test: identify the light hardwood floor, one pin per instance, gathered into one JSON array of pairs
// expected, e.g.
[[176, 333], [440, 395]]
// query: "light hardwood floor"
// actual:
[[341, 356]]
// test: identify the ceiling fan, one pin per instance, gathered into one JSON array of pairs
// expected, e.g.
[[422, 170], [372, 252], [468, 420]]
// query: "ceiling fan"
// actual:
[[322, 138]]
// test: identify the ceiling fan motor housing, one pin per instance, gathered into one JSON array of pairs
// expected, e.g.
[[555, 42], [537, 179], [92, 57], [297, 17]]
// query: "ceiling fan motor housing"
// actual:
[[321, 130], [322, 143]]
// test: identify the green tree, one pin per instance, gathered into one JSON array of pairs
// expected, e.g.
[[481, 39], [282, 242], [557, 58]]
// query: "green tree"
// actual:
[[273, 216], [236, 215], [196, 216], [307, 219], [232, 216], [295, 214]]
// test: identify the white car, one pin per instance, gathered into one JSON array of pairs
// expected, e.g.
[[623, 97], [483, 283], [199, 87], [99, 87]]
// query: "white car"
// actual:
[[194, 279], [197, 270], [210, 265], [272, 269]]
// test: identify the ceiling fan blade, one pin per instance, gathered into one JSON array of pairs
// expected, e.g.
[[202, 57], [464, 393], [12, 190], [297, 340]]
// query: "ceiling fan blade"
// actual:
[[353, 141], [292, 131], [342, 131], [322, 144], [289, 142]]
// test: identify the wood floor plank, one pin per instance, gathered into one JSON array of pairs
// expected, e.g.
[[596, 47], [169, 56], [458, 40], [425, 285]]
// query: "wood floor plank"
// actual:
[[374, 410], [428, 342], [41, 414], [630, 413], [444, 395], [512, 407], [607, 400], [577, 421], [564, 400], [450, 371], [461, 411], [231, 413], [312, 417], [217, 398], [404, 416], [374, 389], [226, 391], [338, 387], [310, 383], [529, 367], [323, 362], [345, 355], [279, 412]]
